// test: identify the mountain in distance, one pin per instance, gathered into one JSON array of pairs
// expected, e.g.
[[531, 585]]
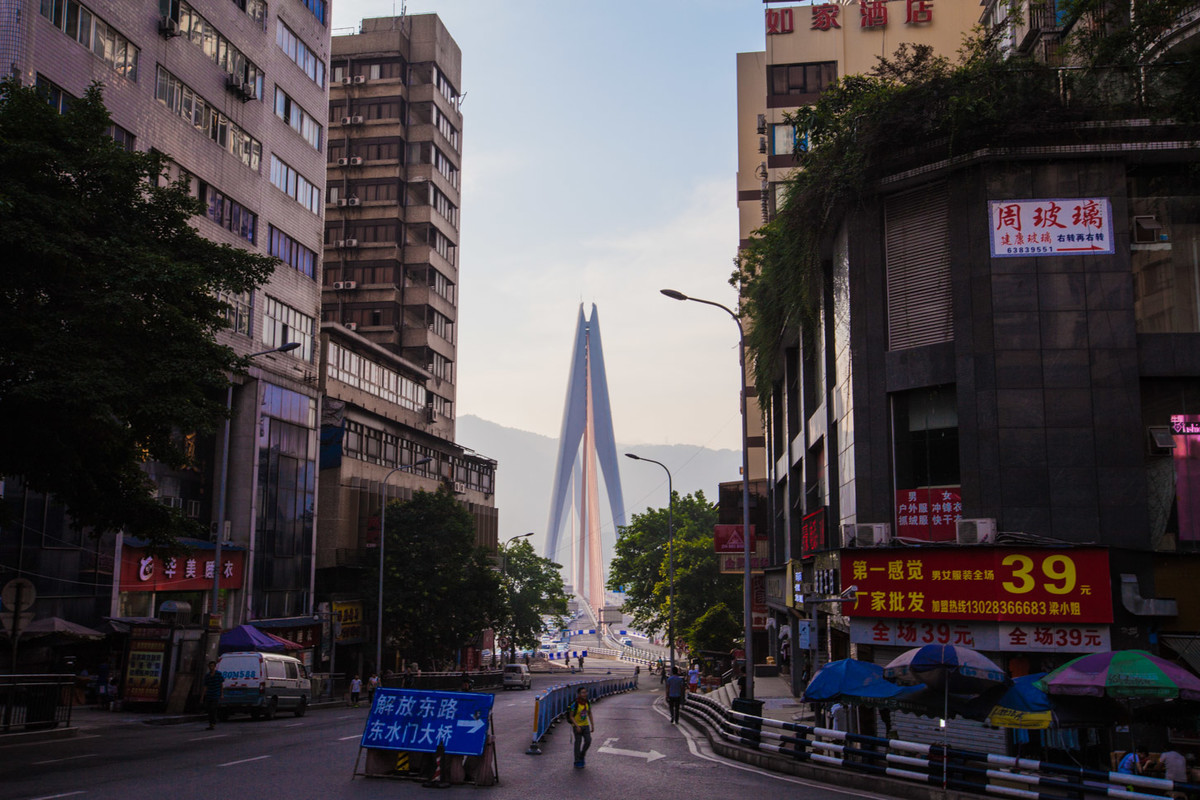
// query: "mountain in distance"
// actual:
[[525, 475]]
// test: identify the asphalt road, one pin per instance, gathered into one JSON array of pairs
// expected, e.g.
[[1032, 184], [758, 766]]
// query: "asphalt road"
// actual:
[[635, 752]]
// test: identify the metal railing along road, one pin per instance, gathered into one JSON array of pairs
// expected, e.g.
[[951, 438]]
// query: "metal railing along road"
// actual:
[[552, 704], [35, 702], [937, 765]]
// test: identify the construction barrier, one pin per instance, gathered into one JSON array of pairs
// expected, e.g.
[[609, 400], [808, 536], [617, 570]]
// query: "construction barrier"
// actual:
[[552, 704], [934, 764]]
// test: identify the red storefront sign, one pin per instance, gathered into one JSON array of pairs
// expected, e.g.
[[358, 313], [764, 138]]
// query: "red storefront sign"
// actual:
[[813, 538], [728, 538], [928, 514], [986, 583], [780, 21], [142, 572]]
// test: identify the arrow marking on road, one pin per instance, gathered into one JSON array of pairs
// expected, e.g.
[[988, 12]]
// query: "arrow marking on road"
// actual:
[[653, 755], [473, 724]]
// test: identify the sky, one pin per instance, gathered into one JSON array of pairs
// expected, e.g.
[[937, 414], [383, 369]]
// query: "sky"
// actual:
[[599, 165]]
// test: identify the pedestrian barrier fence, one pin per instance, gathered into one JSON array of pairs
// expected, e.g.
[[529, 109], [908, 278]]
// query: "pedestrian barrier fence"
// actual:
[[552, 704], [566, 655], [935, 764], [35, 702]]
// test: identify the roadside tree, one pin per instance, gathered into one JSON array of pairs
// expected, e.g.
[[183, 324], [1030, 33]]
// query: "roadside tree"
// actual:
[[533, 590], [108, 313], [640, 566], [439, 589]]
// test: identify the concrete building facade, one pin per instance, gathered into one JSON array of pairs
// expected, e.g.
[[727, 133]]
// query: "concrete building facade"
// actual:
[[235, 94]]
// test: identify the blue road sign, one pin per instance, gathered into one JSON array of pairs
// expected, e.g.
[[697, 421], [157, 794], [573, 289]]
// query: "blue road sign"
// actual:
[[416, 721]]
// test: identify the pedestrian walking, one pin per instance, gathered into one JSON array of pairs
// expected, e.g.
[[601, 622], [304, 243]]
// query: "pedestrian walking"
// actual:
[[675, 690], [579, 713], [214, 686], [355, 690], [581, 663], [372, 685], [693, 677]]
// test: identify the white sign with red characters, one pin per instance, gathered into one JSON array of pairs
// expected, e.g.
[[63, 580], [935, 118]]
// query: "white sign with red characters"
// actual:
[[1058, 227], [1005, 637]]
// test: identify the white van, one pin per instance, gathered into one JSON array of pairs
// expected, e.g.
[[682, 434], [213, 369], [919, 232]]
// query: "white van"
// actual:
[[263, 684]]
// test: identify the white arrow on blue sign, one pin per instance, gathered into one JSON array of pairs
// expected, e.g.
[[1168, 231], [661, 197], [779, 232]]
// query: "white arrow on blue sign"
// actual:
[[417, 721]]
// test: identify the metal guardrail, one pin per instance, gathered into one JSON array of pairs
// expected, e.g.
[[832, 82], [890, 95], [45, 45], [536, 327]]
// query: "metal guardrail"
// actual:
[[937, 765], [552, 704], [35, 702], [445, 681]]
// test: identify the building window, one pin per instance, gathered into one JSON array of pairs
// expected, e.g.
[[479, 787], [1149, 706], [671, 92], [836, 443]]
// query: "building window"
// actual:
[[59, 100], [318, 8], [917, 262], [299, 52], [218, 49], [350, 368], [300, 120], [185, 102], [122, 137], [295, 185], [799, 84], [783, 140], [78, 22], [1164, 209], [230, 215], [238, 311], [283, 324], [925, 422], [292, 253]]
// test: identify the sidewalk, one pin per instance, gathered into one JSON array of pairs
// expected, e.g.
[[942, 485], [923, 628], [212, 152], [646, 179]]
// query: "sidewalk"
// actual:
[[776, 696]]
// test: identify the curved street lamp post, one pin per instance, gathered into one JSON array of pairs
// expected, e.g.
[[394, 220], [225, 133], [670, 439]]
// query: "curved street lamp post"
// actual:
[[670, 554], [747, 609], [382, 551]]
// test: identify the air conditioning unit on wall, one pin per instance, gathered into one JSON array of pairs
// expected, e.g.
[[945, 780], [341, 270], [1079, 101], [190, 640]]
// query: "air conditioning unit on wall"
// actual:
[[975, 531], [866, 534]]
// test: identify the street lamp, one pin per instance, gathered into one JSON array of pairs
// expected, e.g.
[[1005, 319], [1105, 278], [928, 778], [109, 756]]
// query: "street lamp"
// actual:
[[216, 586], [670, 555], [746, 589], [382, 543]]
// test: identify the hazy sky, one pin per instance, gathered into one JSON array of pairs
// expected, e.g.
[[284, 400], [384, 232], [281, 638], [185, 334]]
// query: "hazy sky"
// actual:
[[599, 161]]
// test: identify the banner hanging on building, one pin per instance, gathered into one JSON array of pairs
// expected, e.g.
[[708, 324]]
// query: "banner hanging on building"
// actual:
[[980, 583], [1034, 637]]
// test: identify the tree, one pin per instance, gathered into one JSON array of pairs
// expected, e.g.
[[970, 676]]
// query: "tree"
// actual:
[[716, 630], [640, 566], [108, 311], [533, 589], [439, 588]]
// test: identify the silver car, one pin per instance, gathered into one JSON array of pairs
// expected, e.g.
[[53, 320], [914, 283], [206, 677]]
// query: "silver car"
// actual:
[[516, 676]]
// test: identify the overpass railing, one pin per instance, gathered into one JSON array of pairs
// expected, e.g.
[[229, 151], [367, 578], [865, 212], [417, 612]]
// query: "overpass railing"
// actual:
[[937, 765]]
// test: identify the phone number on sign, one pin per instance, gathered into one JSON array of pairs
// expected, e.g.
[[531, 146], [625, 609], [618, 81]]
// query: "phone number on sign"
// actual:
[[1032, 250], [1007, 608]]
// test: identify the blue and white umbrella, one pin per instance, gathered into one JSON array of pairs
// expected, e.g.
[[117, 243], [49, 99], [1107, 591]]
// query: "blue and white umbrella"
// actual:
[[949, 668]]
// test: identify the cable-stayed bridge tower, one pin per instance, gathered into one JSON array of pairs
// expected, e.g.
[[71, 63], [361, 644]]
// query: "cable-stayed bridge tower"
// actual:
[[587, 451]]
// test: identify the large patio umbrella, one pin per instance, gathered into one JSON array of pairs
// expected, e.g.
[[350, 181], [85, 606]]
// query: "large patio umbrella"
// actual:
[[950, 668], [1124, 675], [1023, 704], [62, 627], [852, 681]]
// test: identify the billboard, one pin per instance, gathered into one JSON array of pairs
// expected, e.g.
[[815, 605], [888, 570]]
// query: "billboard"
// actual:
[[1059, 585]]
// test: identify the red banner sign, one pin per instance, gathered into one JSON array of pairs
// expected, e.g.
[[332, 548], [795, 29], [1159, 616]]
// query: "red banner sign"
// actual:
[[928, 514], [986, 583], [141, 572], [728, 538], [813, 538]]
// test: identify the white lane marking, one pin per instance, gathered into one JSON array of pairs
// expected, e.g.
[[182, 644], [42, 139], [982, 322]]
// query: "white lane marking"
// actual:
[[694, 745], [355, 736], [52, 796], [293, 725], [243, 761], [206, 738], [64, 758]]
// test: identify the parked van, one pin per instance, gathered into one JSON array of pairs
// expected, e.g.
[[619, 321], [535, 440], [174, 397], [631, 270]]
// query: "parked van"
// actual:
[[263, 684]]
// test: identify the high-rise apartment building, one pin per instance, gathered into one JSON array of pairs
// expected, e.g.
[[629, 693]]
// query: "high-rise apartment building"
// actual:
[[390, 307], [235, 93]]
